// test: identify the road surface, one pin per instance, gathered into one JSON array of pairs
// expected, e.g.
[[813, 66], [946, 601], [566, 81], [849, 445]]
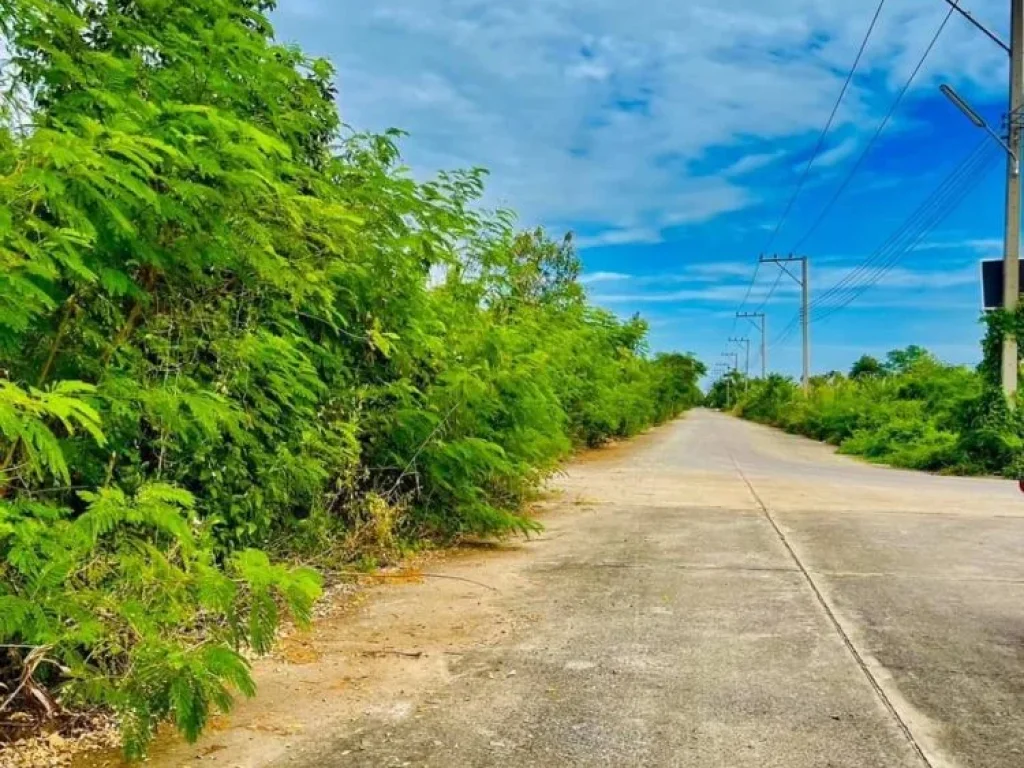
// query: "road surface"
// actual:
[[714, 594]]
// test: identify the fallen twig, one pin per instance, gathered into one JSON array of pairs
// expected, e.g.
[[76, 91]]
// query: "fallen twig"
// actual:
[[408, 654], [36, 657], [361, 574]]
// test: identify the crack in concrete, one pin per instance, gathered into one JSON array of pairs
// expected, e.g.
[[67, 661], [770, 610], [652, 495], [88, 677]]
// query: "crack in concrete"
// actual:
[[837, 625]]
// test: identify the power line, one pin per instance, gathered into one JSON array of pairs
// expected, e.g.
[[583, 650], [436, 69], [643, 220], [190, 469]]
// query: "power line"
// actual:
[[771, 292], [978, 25], [943, 199], [878, 131], [825, 130], [788, 330], [979, 174], [746, 296], [803, 177], [940, 202], [936, 201]]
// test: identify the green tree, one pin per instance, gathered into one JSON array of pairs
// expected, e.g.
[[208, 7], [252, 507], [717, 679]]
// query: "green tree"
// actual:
[[902, 360], [228, 327], [727, 390], [866, 366]]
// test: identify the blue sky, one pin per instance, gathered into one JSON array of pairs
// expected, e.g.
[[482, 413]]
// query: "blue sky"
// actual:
[[669, 136]]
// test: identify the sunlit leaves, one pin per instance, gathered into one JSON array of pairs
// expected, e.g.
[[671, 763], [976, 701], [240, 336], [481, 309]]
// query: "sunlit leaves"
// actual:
[[223, 317]]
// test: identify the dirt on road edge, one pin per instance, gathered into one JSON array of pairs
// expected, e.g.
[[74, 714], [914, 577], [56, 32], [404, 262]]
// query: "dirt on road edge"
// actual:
[[375, 648]]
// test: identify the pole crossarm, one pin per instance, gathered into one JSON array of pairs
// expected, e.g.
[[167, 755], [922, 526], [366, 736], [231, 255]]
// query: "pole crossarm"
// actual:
[[744, 341], [804, 281], [782, 262], [760, 321]]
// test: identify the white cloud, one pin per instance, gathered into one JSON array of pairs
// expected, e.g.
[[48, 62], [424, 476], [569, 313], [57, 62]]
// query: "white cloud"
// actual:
[[718, 269], [727, 283], [586, 70], [632, 236], [983, 246], [698, 272], [750, 163], [576, 104], [719, 293], [603, 277], [836, 154], [905, 278]]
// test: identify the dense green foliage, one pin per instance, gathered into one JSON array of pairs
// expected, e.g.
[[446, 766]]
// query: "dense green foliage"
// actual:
[[727, 390], [909, 411], [227, 326]]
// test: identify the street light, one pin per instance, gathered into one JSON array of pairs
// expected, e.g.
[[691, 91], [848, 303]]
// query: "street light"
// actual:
[[1009, 373], [979, 121]]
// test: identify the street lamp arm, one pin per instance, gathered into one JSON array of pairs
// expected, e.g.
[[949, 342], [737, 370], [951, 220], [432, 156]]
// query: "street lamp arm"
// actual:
[[1002, 142], [971, 114]]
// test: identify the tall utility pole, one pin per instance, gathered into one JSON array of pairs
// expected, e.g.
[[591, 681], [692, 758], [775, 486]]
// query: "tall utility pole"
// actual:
[[805, 316], [1011, 247], [745, 341], [762, 326], [1010, 368], [804, 281]]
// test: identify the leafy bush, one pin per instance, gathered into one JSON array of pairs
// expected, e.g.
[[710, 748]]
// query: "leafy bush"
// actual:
[[229, 325], [911, 411]]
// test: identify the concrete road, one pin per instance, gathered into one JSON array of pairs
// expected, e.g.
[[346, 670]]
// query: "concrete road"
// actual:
[[720, 594]]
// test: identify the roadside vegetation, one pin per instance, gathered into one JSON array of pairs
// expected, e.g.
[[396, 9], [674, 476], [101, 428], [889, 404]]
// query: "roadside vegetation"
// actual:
[[909, 410], [236, 336]]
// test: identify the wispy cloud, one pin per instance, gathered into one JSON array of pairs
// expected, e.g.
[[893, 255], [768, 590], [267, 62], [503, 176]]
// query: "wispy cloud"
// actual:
[[603, 277], [985, 246], [668, 122], [718, 293], [750, 163], [836, 154], [631, 236], [902, 277], [575, 105], [698, 272], [723, 283], [712, 270]]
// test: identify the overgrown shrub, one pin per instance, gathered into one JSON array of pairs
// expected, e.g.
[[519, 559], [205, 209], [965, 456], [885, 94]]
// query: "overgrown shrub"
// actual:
[[912, 411], [229, 324]]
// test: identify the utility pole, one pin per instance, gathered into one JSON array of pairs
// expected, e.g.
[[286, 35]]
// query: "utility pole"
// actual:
[[762, 326], [805, 314], [746, 341], [1011, 247], [1009, 368], [804, 281]]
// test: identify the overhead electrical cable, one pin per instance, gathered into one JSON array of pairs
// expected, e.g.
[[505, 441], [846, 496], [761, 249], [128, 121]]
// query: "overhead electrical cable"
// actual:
[[874, 138], [824, 132], [807, 168], [937, 206]]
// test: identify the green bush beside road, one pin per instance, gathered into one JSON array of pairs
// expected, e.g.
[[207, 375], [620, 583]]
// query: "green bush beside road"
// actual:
[[233, 334], [910, 410]]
